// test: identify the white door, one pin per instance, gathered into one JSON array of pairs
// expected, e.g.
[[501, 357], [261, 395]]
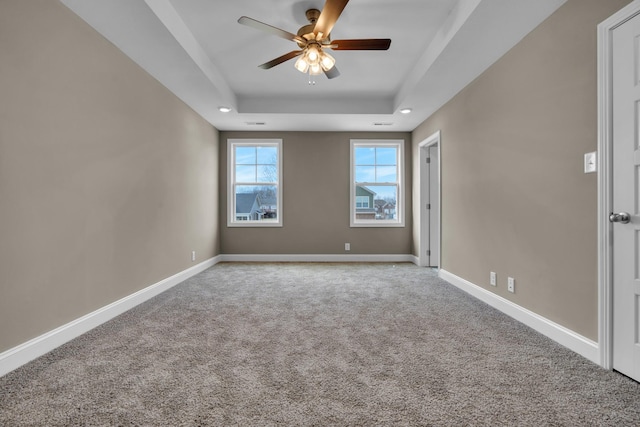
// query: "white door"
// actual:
[[425, 211], [626, 198], [430, 201], [434, 204]]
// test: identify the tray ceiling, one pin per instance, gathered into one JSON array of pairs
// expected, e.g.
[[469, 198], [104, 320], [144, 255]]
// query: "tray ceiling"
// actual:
[[197, 49]]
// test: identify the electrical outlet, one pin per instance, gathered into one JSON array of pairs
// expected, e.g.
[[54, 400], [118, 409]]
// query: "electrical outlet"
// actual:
[[193, 255], [492, 279], [347, 246], [511, 285]]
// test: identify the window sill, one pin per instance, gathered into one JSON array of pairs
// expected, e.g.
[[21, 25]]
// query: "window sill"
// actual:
[[254, 224], [376, 224]]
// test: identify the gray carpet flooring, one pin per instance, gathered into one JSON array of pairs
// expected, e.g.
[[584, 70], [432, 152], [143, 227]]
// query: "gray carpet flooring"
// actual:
[[315, 345]]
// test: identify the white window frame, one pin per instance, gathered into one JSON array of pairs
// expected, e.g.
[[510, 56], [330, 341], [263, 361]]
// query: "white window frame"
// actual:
[[231, 182], [399, 221]]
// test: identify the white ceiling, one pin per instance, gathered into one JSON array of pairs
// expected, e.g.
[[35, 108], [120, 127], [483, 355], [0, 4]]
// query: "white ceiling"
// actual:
[[197, 49]]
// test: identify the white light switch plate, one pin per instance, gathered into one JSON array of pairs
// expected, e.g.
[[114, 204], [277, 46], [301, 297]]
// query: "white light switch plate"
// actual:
[[590, 162]]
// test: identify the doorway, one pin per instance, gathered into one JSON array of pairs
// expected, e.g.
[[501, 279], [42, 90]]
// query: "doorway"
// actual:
[[619, 191], [430, 227]]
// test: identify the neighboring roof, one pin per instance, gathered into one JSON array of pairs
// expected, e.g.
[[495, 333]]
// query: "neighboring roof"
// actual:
[[244, 202], [382, 203], [365, 189]]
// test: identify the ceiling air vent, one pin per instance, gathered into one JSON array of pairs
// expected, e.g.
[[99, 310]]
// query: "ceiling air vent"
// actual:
[[383, 123], [256, 123]]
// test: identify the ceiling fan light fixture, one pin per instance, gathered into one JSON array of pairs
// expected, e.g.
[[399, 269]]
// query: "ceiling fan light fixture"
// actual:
[[327, 61], [302, 65], [315, 69], [314, 61], [313, 54]]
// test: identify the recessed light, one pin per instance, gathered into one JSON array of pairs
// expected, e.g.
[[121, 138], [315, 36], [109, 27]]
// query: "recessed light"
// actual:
[[406, 110], [224, 109]]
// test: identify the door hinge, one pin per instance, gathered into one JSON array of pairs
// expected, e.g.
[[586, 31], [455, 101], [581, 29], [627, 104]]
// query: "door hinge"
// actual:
[[429, 252], [428, 159], [428, 206]]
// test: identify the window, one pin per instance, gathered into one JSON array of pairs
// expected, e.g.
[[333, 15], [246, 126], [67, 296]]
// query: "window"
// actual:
[[255, 176], [362, 202], [377, 168]]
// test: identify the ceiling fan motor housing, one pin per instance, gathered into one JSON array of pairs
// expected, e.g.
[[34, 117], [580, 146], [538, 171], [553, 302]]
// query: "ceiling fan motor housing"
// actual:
[[312, 17]]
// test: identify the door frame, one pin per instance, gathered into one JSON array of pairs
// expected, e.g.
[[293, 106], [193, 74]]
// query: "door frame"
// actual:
[[423, 147], [605, 178]]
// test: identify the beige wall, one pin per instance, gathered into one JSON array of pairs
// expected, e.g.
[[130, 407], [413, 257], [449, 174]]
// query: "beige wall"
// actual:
[[515, 199], [316, 200], [107, 180]]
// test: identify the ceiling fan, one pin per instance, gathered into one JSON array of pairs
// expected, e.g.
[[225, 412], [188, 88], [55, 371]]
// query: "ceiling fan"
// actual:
[[313, 38]]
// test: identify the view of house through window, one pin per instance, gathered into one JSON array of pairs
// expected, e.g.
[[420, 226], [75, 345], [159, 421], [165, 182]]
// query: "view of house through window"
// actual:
[[376, 171], [254, 182]]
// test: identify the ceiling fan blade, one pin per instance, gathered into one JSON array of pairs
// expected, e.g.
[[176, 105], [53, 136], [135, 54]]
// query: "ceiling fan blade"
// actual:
[[332, 73], [250, 22], [280, 59], [328, 17], [361, 44]]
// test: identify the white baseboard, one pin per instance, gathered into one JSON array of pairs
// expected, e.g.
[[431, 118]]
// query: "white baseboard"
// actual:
[[568, 338], [318, 258], [32, 349]]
